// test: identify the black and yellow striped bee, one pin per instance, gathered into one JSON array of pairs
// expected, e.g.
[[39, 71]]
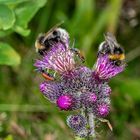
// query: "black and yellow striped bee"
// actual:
[[113, 49], [45, 40]]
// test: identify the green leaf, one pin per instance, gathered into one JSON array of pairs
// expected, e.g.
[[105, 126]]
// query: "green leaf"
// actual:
[[11, 1], [7, 17], [8, 55], [22, 31], [24, 13], [4, 33]]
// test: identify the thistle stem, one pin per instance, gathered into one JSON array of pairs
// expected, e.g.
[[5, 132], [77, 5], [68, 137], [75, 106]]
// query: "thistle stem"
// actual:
[[87, 117], [91, 124]]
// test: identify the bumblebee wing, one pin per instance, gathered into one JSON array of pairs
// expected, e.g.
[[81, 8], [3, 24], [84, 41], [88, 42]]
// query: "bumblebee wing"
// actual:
[[109, 37], [54, 27], [111, 40]]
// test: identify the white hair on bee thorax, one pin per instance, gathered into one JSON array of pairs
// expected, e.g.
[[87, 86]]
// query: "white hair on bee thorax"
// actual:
[[63, 33], [101, 46]]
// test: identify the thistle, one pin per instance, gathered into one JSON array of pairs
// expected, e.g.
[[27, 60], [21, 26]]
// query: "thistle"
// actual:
[[77, 87]]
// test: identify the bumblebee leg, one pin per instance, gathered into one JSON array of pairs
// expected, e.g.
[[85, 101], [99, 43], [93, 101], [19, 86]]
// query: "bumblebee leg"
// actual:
[[118, 62], [83, 59]]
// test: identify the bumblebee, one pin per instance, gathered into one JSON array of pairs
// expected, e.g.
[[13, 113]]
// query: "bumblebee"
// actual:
[[113, 49], [46, 40]]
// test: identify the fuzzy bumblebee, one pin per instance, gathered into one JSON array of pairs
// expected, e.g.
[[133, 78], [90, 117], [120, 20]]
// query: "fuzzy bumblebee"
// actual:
[[111, 47]]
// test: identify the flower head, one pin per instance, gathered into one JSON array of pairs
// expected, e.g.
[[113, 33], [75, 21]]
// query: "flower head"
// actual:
[[59, 58], [76, 122], [106, 89], [103, 109], [64, 102], [89, 99], [105, 68], [67, 102], [51, 90], [79, 87]]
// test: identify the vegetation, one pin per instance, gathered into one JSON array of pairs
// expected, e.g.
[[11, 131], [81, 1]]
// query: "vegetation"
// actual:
[[24, 112]]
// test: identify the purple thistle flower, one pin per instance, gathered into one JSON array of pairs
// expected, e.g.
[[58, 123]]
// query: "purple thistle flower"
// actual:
[[78, 87], [59, 59], [103, 109], [92, 97], [105, 68], [51, 90], [76, 122], [67, 102], [64, 102], [106, 89], [88, 99]]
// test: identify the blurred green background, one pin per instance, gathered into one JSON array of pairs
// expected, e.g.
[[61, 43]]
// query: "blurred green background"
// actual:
[[24, 113]]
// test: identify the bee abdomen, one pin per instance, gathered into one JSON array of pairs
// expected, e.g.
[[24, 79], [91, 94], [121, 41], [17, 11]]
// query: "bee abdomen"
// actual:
[[117, 56]]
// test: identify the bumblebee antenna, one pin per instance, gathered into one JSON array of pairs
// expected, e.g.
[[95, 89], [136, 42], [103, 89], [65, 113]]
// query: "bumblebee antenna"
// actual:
[[55, 26], [109, 37]]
